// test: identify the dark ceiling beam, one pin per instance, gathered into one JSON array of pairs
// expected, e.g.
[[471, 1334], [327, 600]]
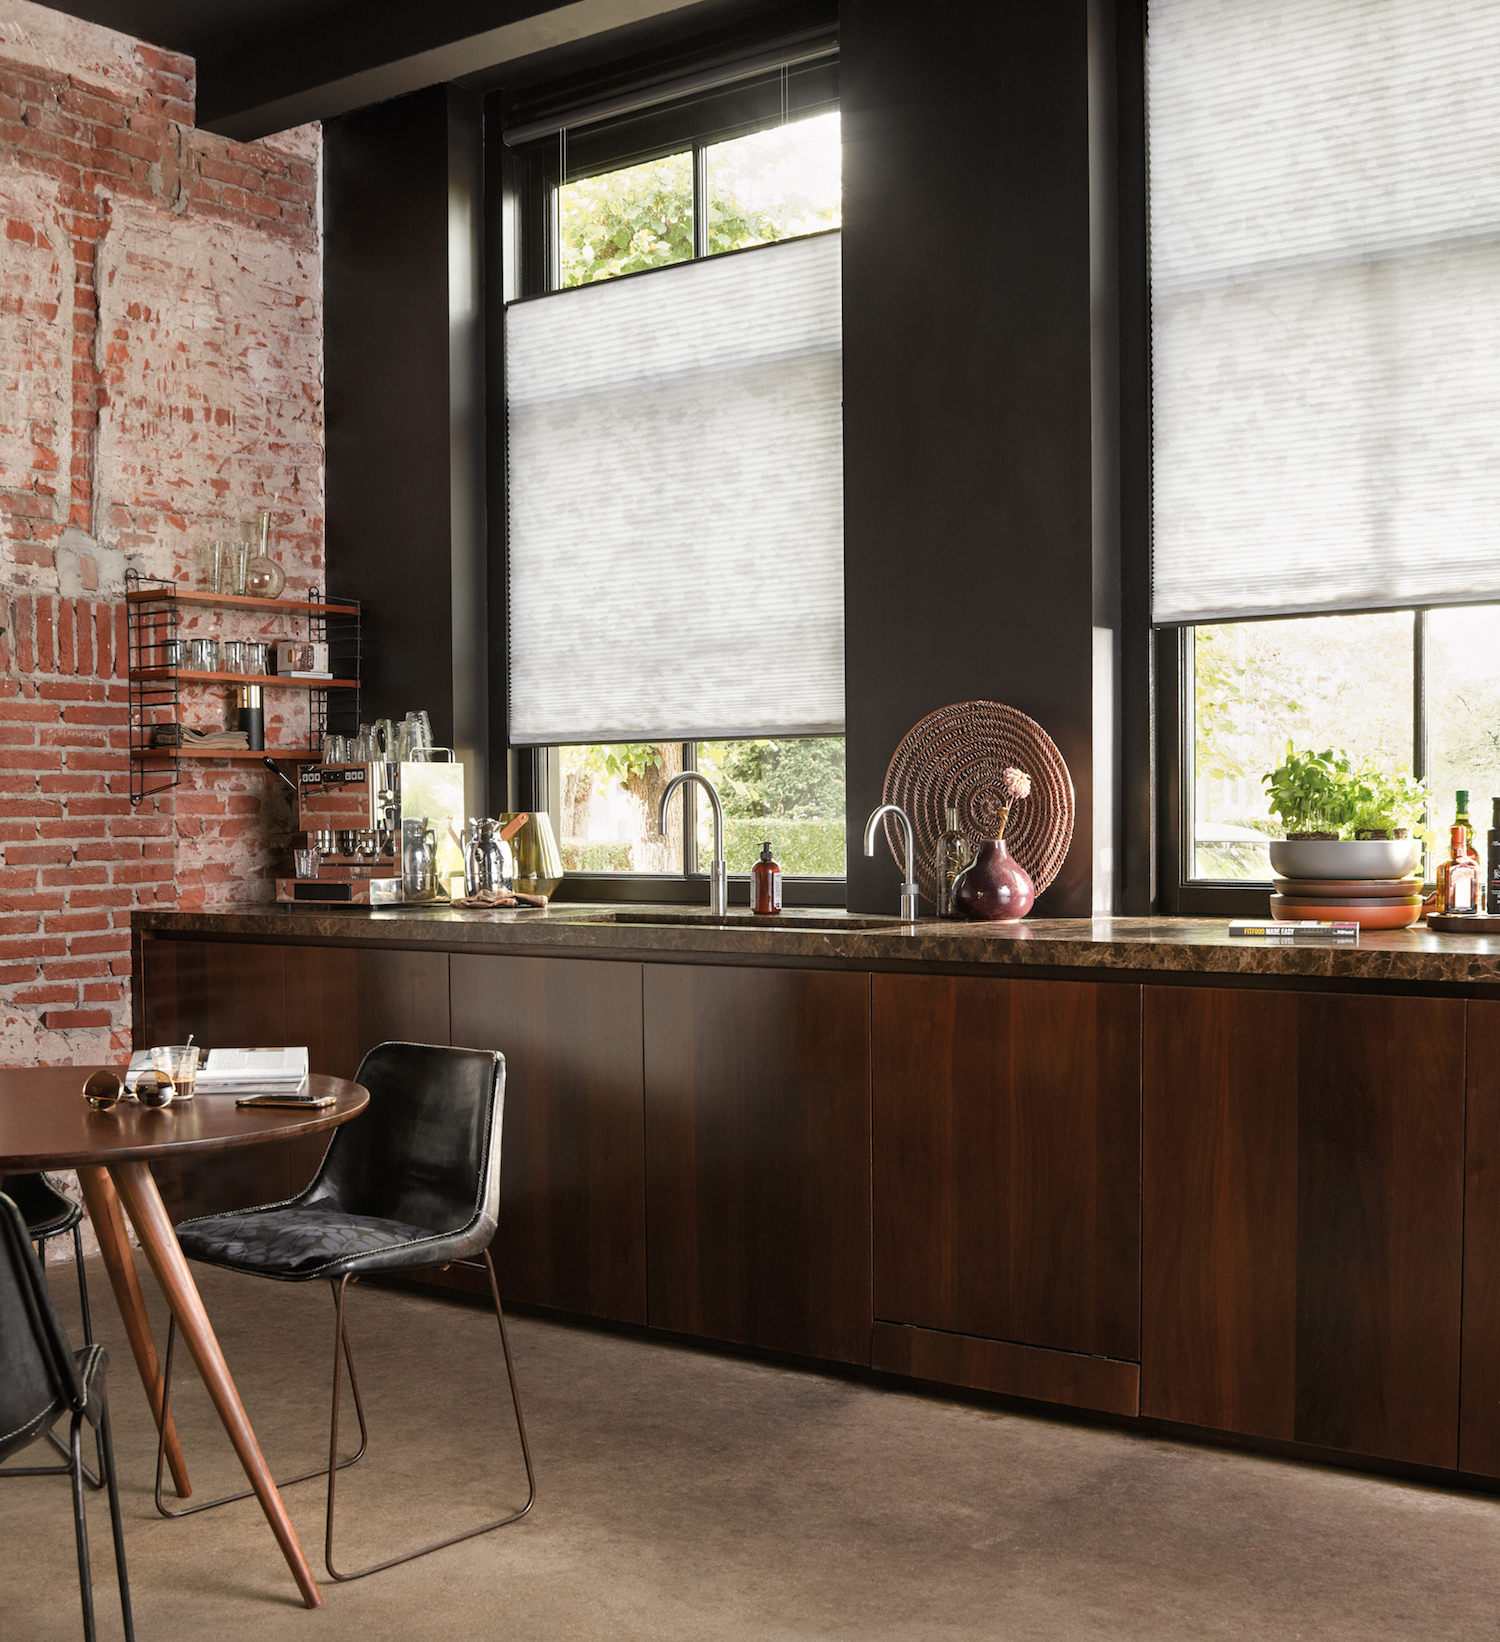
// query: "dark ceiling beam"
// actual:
[[368, 53]]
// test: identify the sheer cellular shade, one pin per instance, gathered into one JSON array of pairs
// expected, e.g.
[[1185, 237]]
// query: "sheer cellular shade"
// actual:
[[1325, 278], [676, 502]]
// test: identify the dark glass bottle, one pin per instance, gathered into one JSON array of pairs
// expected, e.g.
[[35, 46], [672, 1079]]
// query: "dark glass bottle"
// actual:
[[1492, 852], [1461, 819], [765, 884]]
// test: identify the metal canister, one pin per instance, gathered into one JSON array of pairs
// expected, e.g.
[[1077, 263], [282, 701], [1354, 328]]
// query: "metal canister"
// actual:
[[497, 866]]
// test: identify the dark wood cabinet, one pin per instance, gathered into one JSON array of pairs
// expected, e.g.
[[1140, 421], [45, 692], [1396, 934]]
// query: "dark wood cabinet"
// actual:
[[1303, 1158], [1007, 1173], [758, 1157], [1479, 1420], [227, 994], [573, 1172], [341, 1001]]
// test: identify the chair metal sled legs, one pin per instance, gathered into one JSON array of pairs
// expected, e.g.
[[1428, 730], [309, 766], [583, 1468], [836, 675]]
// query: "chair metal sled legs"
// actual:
[[414, 1182], [307, 1476], [333, 1448]]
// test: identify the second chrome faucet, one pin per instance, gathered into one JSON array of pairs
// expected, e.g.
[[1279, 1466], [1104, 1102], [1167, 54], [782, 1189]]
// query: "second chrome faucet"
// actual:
[[909, 888]]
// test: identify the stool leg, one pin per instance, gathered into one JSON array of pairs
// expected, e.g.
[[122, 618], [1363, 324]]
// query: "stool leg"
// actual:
[[81, 1531]]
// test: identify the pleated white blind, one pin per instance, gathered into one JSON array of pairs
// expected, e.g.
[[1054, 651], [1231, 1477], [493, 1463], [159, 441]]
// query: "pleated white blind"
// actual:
[[1325, 279], [676, 502]]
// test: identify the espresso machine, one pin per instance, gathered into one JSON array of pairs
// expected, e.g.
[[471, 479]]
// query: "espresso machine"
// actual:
[[388, 834]]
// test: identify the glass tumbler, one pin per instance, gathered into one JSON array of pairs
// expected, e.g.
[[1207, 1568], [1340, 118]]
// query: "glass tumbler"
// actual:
[[179, 1062], [308, 862]]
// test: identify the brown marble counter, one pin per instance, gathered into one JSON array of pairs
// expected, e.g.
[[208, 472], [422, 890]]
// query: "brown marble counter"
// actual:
[[1142, 947]]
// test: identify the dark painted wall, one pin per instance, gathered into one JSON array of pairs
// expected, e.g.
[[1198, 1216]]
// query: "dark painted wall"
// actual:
[[385, 284], [404, 378], [967, 450]]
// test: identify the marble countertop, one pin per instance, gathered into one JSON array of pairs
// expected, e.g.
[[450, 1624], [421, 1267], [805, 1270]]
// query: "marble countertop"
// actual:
[[1198, 946]]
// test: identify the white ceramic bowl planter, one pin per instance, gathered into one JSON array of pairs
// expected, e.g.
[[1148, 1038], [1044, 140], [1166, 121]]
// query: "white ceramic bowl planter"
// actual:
[[1329, 858]]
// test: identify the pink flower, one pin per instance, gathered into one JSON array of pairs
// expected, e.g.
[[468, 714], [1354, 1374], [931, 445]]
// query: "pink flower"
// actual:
[[1016, 782]]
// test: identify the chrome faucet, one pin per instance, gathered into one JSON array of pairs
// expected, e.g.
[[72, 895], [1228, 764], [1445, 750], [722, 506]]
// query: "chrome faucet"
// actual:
[[718, 873], [909, 888]]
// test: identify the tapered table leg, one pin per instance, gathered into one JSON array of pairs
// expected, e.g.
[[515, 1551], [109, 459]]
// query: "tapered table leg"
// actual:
[[114, 1244], [148, 1215]]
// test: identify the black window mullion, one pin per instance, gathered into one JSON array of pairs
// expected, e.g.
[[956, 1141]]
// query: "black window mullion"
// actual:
[[700, 200]]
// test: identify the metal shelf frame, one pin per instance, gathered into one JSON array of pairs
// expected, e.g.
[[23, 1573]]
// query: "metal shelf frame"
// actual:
[[152, 620]]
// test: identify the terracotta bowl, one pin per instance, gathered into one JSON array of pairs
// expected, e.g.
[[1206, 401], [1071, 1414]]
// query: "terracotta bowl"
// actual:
[[1337, 889], [1371, 915]]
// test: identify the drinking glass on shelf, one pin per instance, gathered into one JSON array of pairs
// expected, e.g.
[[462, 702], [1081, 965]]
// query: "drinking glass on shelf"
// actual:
[[335, 750], [203, 655], [240, 554], [234, 656], [308, 862]]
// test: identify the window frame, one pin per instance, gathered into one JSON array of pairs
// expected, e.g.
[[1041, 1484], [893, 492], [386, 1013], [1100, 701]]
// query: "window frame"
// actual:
[[1182, 894], [535, 171]]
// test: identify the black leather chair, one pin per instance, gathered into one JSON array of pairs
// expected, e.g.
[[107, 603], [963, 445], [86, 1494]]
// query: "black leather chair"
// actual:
[[413, 1181], [41, 1379], [49, 1214]]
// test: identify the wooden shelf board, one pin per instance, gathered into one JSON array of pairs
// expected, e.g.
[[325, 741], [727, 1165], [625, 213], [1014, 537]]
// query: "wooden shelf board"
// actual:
[[232, 601], [165, 675], [169, 755]]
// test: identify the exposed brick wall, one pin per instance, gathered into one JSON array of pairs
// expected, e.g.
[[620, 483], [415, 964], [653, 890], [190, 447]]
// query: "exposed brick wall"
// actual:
[[160, 379]]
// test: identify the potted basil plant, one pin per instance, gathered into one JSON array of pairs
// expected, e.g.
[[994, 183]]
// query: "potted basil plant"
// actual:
[[1345, 821]]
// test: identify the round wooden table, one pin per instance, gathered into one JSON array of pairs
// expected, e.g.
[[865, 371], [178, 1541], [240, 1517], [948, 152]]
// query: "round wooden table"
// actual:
[[46, 1124]]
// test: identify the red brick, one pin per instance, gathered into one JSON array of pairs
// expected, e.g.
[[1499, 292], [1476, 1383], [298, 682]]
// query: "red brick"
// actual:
[[56, 1019], [36, 855], [76, 969], [74, 923], [99, 898], [73, 874], [102, 991], [34, 995], [118, 941]]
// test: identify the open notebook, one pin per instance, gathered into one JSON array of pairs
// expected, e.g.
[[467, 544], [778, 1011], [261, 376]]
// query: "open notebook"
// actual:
[[238, 1071]]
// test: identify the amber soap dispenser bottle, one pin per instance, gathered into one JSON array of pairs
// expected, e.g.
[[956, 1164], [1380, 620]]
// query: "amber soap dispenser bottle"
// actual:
[[765, 884]]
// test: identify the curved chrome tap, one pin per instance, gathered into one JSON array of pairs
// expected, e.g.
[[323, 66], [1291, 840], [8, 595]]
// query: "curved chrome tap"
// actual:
[[909, 888], [718, 873]]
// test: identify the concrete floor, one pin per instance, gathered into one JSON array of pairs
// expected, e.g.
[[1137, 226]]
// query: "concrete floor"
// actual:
[[687, 1496]]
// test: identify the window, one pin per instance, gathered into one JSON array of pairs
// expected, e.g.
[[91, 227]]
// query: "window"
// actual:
[[1324, 220], [675, 496], [788, 791], [1416, 690]]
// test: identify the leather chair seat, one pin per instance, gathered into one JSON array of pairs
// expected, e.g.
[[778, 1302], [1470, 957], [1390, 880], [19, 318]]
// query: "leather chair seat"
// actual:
[[308, 1241], [45, 1210]]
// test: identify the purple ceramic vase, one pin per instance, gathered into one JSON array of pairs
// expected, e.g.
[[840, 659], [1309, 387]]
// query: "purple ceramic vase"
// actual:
[[993, 886]]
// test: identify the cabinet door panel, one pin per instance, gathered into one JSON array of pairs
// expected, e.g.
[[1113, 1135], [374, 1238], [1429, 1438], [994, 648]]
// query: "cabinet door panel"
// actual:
[[342, 1001], [758, 1157], [573, 1199], [1479, 1430], [1303, 1165], [1007, 1159], [228, 994]]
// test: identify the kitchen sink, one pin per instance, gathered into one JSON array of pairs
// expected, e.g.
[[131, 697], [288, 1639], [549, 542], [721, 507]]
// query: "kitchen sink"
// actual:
[[689, 919]]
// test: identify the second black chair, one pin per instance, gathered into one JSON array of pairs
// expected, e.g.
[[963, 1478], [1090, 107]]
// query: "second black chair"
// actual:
[[413, 1181], [49, 1214], [41, 1379]]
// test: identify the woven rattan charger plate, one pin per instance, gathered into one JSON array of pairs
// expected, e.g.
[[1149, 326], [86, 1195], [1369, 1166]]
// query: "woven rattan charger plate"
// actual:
[[953, 758]]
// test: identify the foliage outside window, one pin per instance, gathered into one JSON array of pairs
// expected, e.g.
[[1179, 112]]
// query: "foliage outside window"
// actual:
[[790, 790], [767, 186], [1349, 683]]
